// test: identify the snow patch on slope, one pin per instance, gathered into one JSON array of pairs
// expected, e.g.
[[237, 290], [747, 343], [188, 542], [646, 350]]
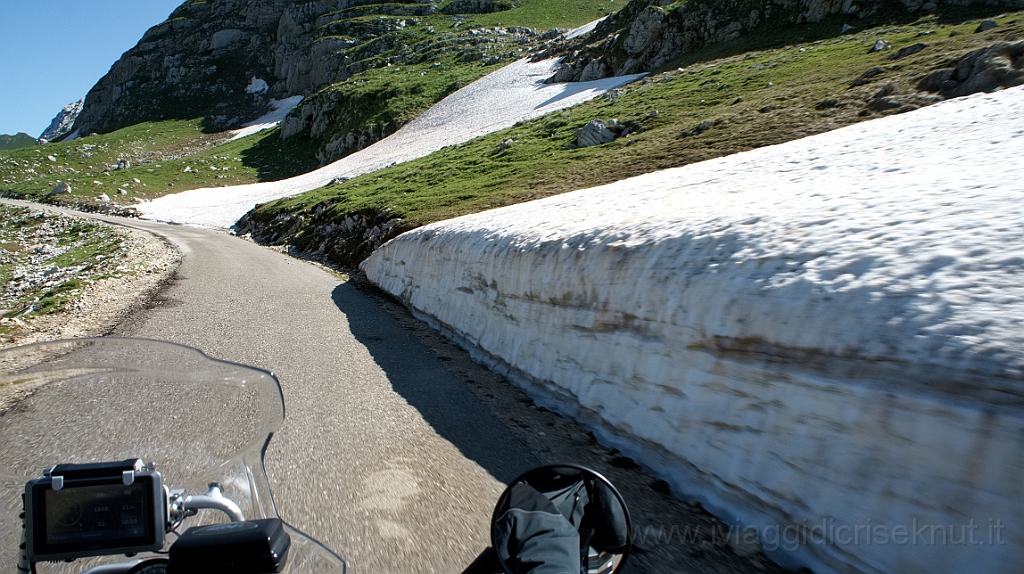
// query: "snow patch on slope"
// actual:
[[281, 108], [512, 94], [826, 333]]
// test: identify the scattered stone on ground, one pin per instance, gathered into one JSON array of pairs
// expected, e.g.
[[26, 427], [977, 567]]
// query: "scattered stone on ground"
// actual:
[[130, 278], [596, 132], [863, 79], [986, 25], [61, 189], [908, 51]]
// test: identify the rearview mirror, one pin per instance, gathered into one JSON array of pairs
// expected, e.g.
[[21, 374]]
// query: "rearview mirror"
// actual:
[[561, 519]]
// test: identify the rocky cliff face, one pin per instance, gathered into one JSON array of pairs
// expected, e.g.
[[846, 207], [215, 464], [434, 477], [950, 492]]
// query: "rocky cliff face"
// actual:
[[196, 63], [200, 62], [63, 122], [226, 59], [647, 35]]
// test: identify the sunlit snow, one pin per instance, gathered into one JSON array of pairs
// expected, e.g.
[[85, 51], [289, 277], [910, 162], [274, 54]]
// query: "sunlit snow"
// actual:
[[512, 94]]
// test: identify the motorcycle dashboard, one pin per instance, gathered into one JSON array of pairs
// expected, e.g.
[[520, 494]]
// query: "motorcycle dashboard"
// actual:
[[94, 517]]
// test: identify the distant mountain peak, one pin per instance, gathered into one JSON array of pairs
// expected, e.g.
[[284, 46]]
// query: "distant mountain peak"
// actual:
[[16, 141], [61, 124]]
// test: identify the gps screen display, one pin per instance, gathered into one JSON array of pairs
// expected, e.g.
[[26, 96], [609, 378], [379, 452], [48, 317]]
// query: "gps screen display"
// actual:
[[104, 516]]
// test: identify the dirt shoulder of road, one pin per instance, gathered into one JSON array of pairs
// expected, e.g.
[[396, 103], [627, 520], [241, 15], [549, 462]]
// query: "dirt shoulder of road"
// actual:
[[103, 304]]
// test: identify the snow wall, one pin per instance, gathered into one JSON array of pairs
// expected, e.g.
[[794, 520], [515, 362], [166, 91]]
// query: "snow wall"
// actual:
[[823, 340]]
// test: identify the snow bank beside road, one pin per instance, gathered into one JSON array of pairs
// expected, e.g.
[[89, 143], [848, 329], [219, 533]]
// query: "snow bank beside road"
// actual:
[[823, 338], [512, 94]]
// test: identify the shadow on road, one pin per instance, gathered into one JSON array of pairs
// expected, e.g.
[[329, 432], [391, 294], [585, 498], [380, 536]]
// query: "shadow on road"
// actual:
[[418, 374]]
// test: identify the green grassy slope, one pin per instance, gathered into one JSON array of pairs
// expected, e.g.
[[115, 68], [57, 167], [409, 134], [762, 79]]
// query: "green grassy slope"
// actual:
[[16, 141], [714, 106], [162, 157], [170, 156]]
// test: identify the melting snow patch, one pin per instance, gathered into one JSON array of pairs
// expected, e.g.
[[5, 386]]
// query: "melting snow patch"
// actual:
[[512, 94], [281, 108], [257, 86], [584, 29]]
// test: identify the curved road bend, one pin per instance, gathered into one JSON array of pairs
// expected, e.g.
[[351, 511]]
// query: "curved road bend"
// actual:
[[384, 456]]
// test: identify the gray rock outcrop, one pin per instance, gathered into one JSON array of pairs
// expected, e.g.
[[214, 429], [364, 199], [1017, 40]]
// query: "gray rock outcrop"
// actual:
[[226, 38], [986, 25], [908, 51], [985, 70], [599, 132], [199, 61], [63, 122], [61, 189], [596, 132]]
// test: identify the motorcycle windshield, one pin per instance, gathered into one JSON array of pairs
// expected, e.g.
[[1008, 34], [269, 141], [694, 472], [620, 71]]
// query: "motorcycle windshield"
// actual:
[[199, 420]]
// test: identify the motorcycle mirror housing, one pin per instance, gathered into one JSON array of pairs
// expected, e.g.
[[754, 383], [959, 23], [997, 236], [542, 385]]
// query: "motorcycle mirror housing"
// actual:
[[559, 519]]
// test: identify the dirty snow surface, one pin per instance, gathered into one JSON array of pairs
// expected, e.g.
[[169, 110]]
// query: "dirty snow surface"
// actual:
[[826, 333], [497, 101]]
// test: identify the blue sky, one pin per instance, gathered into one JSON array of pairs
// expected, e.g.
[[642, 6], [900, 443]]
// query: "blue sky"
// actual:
[[53, 51]]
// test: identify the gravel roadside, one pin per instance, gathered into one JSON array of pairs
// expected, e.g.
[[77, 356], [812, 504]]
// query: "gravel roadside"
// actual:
[[107, 301], [135, 272]]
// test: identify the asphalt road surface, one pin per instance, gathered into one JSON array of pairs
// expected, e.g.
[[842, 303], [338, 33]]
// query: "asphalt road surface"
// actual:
[[384, 456]]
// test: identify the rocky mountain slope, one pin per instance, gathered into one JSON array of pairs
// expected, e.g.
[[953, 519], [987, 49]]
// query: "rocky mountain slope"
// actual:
[[367, 67], [16, 141], [63, 122], [716, 106], [225, 60], [646, 36], [198, 63]]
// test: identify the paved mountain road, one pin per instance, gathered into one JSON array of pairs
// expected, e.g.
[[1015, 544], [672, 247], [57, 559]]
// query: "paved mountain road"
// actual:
[[385, 456], [392, 486]]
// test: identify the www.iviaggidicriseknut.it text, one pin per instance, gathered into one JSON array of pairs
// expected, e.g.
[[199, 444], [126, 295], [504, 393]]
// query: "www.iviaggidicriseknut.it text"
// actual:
[[790, 537]]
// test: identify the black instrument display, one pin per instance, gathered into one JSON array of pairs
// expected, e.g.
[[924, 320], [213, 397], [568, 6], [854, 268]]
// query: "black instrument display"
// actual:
[[93, 515]]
